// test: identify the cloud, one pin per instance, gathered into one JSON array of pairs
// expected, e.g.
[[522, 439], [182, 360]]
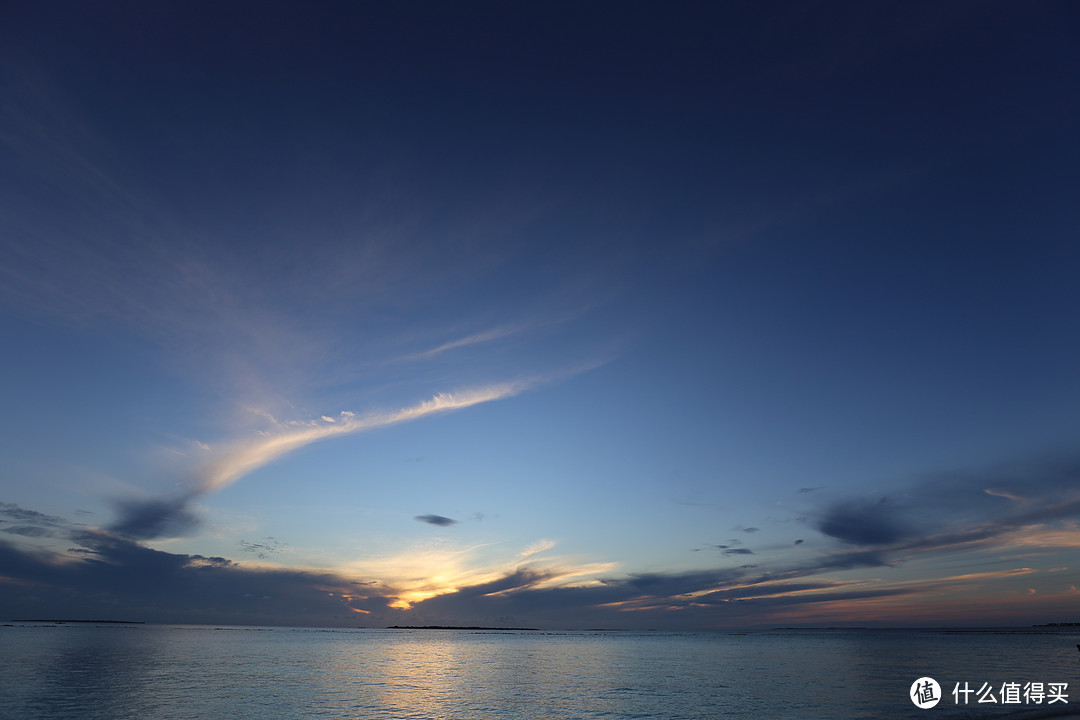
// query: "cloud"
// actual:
[[33, 524], [434, 567], [843, 560], [89, 246], [1003, 494], [863, 522], [538, 547], [481, 337], [11, 511], [237, 460], [119, 578], [436, 520], [154, 518], [267, 547], [1034, 509], [30, 531], [144, 519], [737, 596], [114, 572]]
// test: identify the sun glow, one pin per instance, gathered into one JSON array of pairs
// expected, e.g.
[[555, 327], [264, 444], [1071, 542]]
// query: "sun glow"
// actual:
[[428, 571]]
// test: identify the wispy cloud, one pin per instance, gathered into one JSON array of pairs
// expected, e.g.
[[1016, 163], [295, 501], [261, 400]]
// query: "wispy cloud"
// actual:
[[256, 327], [540, 546], [262, 549], [170, 516], [235, 461], [496, 333], [12, 511], [1004, 494]]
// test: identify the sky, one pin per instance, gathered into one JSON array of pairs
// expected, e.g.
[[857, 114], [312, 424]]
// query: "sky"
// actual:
[[562, 315]]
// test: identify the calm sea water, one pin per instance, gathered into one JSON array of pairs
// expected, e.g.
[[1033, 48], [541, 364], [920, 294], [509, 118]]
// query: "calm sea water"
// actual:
[[148, 672]]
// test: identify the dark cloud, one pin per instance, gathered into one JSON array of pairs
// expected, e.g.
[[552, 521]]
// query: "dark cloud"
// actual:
[[799, 541], [33, 524], [30, 531], [810, 489], [119, 578], [154, 518], [947, 511], [750, 529], [12, 512], [860, 522], [436, 520], [738, 551]]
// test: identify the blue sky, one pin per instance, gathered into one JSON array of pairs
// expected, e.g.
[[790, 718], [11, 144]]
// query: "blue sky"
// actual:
[[571, 315]]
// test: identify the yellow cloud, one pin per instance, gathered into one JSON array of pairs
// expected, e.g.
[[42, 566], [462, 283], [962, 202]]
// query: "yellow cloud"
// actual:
[[1048, 537]]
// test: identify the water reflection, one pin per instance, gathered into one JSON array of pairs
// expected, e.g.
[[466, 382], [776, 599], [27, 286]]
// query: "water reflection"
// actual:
[[164, 673], [87, 673]]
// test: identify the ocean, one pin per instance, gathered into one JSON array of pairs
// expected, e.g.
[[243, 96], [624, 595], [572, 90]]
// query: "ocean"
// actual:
[[160, 672]]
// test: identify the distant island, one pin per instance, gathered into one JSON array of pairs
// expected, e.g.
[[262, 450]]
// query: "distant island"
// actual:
[[453, 627], [93, 622], [821, 628], [1068, 624]]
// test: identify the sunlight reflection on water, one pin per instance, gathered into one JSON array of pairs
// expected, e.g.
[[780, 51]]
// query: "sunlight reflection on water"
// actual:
[[170, 673]]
